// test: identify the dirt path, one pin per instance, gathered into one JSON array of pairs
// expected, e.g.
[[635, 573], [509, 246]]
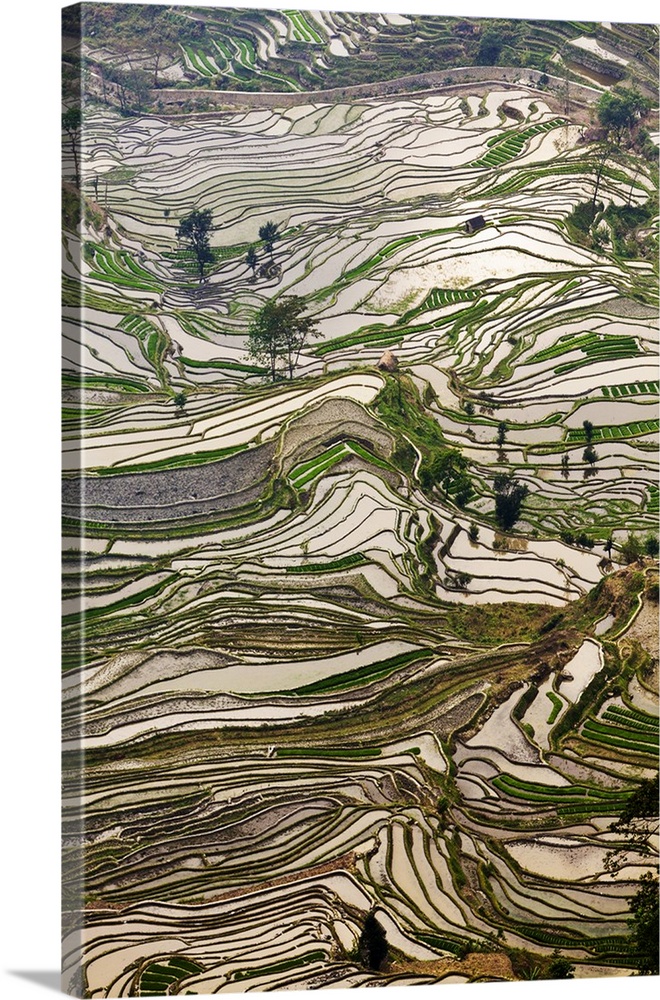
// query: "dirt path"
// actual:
[[453, 81]]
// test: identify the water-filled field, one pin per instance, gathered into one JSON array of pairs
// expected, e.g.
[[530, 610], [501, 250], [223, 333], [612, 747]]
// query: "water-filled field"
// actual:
[[311, 671]]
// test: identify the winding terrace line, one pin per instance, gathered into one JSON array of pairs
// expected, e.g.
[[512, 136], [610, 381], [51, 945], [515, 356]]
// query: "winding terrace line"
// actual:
[[416, 85]]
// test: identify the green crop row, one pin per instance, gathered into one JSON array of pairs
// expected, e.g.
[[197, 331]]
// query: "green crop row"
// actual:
[[537, 792], [363, 675], [310, 469], [623, 718], [302, 30], [511, 143], [649, 737], [174, 462], [557, 705], [156, 979], [632, 389], [330, 752], [346, 562], [617, 742], [284, 966], [118, 268], [592, 344], [111, 382], [125, 602], [199, 62], [640, 427]]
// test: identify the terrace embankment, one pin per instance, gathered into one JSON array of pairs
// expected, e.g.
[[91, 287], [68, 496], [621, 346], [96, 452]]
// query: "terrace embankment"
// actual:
[[171, 494], [476, 965], [418, 84], [331, 422]]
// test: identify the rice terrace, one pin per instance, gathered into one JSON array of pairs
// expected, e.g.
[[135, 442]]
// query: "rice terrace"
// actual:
[[360, 499]]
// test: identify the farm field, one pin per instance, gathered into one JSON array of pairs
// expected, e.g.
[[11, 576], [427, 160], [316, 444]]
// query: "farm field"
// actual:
[[362, 629]]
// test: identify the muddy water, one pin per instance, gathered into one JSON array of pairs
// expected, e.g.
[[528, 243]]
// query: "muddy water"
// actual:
[[591, 74]]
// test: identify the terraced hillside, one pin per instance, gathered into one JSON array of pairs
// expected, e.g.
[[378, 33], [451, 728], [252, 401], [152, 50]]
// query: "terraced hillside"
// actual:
[[381, 637], [126, 53]]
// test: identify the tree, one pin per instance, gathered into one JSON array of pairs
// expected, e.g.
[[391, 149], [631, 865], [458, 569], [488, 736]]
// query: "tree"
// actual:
[[269, 232], [279, 332], [631, 549], [590, 455], [491, 43], [194, 231], [560, 967], [180, 401], [564, 466], [604, 154], [637, 825], [473, 533], [71, 122], [447, 468], [644, 924], [252, 260], [372, 947], [651, 546], [509, 497], [588, 430], [501, 432], [620, 111]]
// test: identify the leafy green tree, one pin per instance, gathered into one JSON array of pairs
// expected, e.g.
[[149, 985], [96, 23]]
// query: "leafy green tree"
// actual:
[[510, 494], [560, 967], [651, 546], [491, 43], [194, 232], [71, 122], [637, 825], [279, 333], [473, 533], [631, 549], [373, 947], [269, 232], [180, 401], [447, 468], [564, 466], [588, 430], [620, 111], [644, 924], [590, 455], [501, 432]]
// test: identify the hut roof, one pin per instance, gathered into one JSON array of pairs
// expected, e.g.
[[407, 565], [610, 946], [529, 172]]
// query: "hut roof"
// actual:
[[476, 222], [388, 362]]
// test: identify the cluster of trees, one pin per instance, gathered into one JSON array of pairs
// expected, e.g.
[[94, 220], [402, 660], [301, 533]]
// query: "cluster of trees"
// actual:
[[268, 234], [589, 455], [634, 549], [71, 122], [447, 468], [510, 494], [620, 112], [194, 231], [637, 825], [278, 334], [372, 946]]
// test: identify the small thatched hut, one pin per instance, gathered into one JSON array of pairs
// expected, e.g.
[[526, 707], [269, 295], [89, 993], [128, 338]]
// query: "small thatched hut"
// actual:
[[388, 363]]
